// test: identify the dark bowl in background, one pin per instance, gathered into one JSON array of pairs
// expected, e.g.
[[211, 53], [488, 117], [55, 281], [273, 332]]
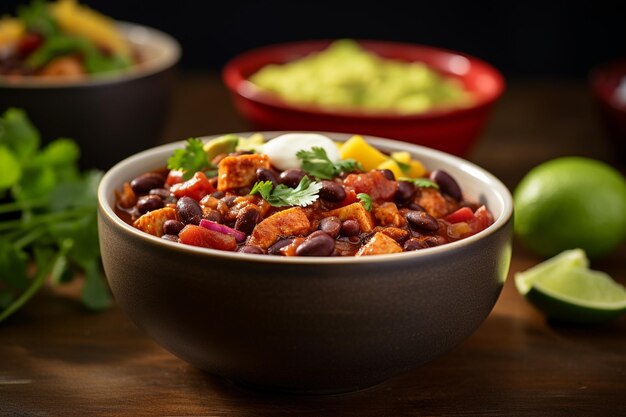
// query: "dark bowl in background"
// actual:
[[604, 79], [109, 116], [454, 131], [307, 324]]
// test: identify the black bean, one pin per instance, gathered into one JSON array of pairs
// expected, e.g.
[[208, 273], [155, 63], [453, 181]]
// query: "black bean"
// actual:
[[405, 192], [388, 174], [350, 227], [172, 227], [331, 225], [247, 218], [213, 215], [416, 207], [148, 203], [291, 177], [415, 244], [447, 184], [422, 221], [256, 250], [229, 200], [164, 193], [218, 194], [146, 182], [331, 191], [317, 244], [434, 240], [188, 210], [264, 174], [172, 238], [275, 248]]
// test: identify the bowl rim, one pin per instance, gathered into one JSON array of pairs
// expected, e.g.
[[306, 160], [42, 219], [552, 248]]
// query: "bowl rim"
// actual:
[[106, 188], [238, 84], [603, 72], [169, 55]]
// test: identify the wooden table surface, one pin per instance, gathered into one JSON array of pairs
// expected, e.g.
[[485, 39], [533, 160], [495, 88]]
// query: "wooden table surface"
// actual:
[[58, 360]]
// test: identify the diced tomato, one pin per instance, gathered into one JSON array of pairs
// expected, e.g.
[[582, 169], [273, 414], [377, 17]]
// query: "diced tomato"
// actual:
[[196, 187], [349, 199], [175, 176], [464, 214], [29, 43], [482, 220], [200, 236], [373, 183]]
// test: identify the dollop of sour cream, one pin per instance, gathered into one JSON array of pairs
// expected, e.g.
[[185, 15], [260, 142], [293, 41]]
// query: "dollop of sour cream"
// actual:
[[282, 149]]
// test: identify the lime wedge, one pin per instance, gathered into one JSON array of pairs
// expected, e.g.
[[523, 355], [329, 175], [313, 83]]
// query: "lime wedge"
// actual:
[[564, 288]]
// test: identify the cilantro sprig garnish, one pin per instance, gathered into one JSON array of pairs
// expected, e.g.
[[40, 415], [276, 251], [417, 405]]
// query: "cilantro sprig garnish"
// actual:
[[48, 217], [191, 159], [304, 194], [316, 162], [420, 182], [366, 200]]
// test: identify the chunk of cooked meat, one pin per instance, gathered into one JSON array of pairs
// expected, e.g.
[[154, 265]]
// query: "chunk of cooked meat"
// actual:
[[152, 221], [239, 171], [433, 202], [290, 222], [354, 211], [380, 243]]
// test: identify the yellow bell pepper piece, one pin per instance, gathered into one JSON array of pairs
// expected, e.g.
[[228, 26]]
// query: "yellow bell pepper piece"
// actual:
[[81, 20], [402, 156], [358, 149], [11, 30], [417, 169], [393, 166]]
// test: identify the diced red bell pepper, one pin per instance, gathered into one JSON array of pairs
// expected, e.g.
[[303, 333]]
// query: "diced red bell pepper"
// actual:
[[196, 187], [464, 214], [373, 183], [175, 176], [203, 237]]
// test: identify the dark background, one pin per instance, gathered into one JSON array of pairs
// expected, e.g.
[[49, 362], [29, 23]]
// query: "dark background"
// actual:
[[524, 39]]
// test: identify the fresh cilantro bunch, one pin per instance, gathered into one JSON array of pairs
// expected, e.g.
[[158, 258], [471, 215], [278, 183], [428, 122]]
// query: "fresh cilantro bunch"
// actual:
[[48, 227], [317, 163], [304, 194]]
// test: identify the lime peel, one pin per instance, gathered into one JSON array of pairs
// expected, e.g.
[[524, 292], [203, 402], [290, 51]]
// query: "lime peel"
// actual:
[[564, 288]]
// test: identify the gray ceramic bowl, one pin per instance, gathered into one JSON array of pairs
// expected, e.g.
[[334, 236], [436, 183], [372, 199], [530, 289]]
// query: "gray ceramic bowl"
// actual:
[[313, 325], [110, 116]]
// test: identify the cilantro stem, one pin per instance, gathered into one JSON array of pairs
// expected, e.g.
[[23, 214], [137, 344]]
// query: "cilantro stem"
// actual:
[[29, 238], [36, 284], [44, 218], [22, 205]]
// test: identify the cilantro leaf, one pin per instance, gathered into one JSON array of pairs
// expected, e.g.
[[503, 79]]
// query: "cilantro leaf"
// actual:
[[317, 163], [366, 200], [191, 159], [38, 18], [420, 182], [304, 194]]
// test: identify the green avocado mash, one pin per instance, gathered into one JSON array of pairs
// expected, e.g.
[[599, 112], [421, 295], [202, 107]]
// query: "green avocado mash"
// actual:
[[345, 76]]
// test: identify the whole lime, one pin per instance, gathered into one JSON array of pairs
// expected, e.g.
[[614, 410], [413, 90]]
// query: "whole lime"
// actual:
[[571, 202]]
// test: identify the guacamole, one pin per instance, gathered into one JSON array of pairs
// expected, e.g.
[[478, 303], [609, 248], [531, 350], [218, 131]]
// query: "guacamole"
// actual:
[[345, 76]]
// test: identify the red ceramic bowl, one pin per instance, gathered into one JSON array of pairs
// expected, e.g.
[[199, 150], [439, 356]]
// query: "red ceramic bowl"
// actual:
[[454, 131], [604, 80]]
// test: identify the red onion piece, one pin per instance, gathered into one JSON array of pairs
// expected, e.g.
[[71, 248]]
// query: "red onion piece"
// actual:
[[220, 228]]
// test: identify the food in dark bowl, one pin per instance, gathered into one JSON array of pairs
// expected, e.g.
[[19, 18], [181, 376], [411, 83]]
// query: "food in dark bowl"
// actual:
[[62, 39], [296, 196], [308, 324], [106, 84]]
